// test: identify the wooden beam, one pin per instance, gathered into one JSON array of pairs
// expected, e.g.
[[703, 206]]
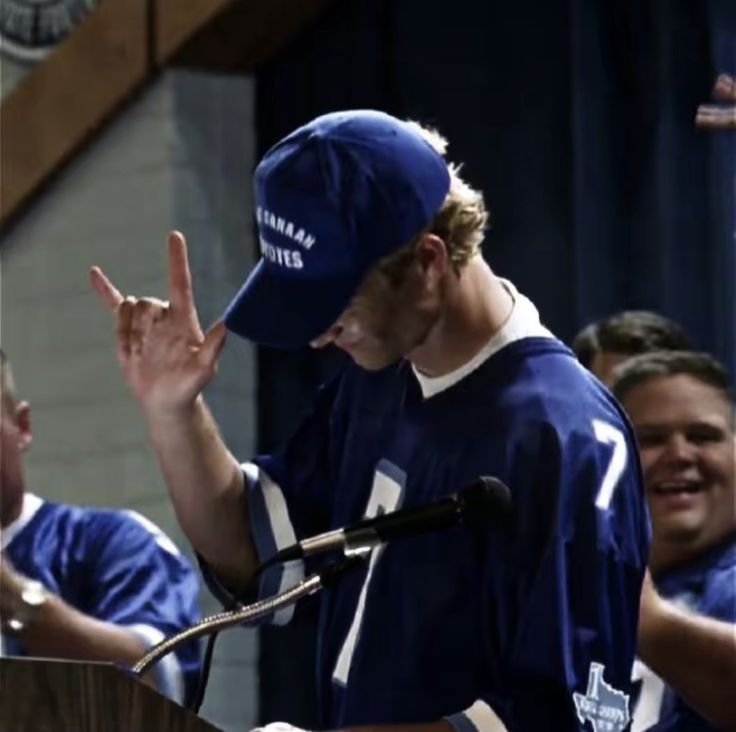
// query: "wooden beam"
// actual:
[[178, 22], [237, 38], [47, 118], [66, 99]]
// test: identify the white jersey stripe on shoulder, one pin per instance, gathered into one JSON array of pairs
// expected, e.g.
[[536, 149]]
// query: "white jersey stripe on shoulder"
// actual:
[[483, 718], [161, 538]]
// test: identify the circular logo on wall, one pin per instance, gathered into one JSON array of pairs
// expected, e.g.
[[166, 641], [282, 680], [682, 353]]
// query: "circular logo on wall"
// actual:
[[29, 29]]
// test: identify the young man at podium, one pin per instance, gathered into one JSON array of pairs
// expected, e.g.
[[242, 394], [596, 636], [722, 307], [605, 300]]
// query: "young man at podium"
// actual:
[[371, 242]]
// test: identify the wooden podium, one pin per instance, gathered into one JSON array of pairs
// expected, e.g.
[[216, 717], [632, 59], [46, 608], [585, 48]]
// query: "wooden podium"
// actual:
[[40, 695]]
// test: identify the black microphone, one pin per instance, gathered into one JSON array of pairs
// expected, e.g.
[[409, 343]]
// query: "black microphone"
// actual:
[[485, 503]]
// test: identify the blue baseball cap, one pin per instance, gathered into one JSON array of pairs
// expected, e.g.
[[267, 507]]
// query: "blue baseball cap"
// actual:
[[332, 198]]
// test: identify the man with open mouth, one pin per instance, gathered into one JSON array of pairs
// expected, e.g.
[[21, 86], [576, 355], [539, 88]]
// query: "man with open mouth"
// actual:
[[681, 406]]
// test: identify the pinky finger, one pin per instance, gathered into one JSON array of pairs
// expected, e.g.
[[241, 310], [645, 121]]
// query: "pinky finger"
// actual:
[[108, 293]]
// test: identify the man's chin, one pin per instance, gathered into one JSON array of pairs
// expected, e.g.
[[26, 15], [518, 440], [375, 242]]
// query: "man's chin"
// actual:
[[678, 530], [374, 362]]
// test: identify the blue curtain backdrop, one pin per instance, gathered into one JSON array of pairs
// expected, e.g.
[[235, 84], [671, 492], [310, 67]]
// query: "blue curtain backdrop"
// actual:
[[575, 117]]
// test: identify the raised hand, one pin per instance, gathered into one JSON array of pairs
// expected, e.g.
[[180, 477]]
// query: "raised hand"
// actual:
[[719, 117], [165, 356]]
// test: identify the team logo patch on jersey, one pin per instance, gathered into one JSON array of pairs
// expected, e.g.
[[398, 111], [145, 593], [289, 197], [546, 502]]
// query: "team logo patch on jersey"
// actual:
[[606, 708]]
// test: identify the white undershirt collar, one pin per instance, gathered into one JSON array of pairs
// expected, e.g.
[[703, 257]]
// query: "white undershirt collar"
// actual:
[[523, 322]]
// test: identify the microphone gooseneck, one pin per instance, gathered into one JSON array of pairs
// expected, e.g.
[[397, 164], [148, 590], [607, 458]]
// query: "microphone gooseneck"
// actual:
[[242, 615], [485, 503]]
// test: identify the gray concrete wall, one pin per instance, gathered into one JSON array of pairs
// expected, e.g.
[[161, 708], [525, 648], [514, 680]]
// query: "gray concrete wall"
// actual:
[[179, 157], [11, 73]]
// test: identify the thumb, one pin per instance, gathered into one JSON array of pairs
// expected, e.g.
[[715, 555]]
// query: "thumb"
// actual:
[[214, 340]]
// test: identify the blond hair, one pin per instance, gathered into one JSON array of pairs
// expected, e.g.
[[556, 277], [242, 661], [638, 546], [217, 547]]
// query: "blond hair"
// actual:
[[461, 221]]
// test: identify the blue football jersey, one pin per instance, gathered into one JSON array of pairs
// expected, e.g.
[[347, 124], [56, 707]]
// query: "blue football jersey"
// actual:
[[706, 586], [118, 567], [531, 627]]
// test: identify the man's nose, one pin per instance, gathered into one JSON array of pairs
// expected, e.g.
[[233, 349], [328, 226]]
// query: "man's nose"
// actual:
[[329, 336], [679, 450]]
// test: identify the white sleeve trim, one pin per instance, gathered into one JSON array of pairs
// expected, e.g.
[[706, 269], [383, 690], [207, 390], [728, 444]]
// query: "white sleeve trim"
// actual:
[[167, 672], [281, 529], [273, 497], [483, 718]]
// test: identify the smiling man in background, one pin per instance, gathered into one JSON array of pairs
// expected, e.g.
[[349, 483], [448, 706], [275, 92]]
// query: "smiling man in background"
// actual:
[[681, 406]]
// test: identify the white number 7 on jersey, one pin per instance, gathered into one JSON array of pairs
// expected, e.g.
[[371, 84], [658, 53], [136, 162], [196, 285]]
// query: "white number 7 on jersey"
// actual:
[[385, 497], [610, 435]]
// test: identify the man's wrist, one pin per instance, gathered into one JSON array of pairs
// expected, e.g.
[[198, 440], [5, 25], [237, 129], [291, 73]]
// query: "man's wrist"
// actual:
[[22, 607], [163, 418]]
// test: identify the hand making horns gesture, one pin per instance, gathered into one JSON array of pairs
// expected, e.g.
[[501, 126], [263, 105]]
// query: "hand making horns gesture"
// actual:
[[166, 358]]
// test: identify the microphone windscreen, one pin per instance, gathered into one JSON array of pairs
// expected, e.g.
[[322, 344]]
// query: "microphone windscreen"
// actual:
[[485, 503]]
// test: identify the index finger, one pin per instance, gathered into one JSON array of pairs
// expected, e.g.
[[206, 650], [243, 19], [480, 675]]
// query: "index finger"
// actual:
[[109, 294], [181, 295]]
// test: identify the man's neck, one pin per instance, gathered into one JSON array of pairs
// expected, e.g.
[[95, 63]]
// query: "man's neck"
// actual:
[[476, 307], [11, 510], [666, 556]]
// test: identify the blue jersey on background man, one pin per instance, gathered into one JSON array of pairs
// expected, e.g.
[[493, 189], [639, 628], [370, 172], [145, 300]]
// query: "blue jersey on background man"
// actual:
[[706, 586], [114, 566], [531, 627]]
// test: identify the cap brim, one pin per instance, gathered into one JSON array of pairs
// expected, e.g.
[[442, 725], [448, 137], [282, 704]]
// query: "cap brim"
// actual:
[[286, 312]]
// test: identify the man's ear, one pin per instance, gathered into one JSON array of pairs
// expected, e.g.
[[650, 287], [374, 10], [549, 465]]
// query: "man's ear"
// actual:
[[23, 420], [433, 258]]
